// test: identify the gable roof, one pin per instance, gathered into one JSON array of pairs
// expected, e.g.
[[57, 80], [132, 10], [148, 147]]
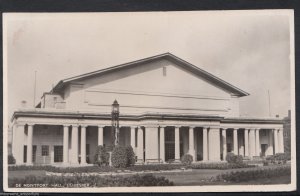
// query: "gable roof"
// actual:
[[194, 69]]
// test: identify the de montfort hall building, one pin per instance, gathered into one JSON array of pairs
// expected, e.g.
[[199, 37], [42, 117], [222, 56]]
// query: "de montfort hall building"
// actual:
[[168, 108]]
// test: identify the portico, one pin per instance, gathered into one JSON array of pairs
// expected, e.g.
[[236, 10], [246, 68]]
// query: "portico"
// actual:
[[153, 141]]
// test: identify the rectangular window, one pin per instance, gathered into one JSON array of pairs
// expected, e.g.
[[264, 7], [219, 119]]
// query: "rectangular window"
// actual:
[[45, 150]]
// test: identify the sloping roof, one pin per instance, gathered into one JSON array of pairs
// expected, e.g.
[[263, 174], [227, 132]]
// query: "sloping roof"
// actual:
[[194, 69]]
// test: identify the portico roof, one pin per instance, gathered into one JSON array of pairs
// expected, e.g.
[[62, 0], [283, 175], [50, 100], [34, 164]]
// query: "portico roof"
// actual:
[[48, 113], [184, 64]]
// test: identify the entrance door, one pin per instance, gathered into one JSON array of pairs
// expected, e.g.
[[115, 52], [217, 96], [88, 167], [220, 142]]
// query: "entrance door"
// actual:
[[264, 148], [58, 153]]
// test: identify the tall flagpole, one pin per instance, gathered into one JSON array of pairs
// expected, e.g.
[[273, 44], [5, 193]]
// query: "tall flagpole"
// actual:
[[34, 91]]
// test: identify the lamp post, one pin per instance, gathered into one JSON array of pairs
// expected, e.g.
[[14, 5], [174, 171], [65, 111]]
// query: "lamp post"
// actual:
[[115, 121]]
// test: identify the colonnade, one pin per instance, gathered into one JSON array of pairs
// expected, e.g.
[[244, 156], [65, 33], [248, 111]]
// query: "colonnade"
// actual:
[[214, 141]]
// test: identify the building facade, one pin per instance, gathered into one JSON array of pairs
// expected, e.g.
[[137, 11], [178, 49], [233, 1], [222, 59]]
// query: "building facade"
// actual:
[[168, 108]]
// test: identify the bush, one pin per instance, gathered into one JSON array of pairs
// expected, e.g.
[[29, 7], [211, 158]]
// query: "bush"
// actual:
[[11, 159], [239, 176], [122, 156], [130, 156], [279, 158], [187, 159], [234, 159], [119, 157], [91, 181], [101, 156]]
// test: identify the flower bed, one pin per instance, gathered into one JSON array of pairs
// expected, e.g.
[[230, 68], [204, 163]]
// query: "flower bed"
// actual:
[[88, 181], [239, 176]]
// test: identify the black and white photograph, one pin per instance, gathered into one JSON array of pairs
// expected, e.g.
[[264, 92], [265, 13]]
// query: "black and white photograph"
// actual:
[[169, 101]]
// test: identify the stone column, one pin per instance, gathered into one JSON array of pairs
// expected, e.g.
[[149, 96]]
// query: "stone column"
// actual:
[[224, 139], [191, 142], [246, 144], [83, 145], [257, 143], [280, 140], [140, 145], [29, 144], [151, 143], [18, 143], [252, 142], [132, 137], [66, 144], [74, 159], [214, 144], [271, 144], [162, 144], [205, 145], [177, 144], [276, 141], [100, 135], [235, 142]]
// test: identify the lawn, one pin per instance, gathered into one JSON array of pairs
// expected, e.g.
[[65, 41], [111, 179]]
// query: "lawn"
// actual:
[[192, 177]]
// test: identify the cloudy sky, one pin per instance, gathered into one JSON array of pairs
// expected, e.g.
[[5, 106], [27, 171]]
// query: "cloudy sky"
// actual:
[[250, 50]]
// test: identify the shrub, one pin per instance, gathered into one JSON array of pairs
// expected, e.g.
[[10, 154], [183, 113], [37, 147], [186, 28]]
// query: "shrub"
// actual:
[[11, 159], [91, 181], [130, 156], [279, 158], [101, 156], [187, 159], [239, 176], [119, 157], [235, 159]]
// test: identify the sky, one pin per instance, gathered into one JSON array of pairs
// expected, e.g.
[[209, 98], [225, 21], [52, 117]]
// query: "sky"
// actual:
[[249, 49]]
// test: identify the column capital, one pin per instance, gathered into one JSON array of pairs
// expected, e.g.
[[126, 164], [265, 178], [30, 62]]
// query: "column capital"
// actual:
[[162, 126], [192, 127], [100, 126], [30, 124], [177, 126], [83, 126], [75, 125], [66, 125]]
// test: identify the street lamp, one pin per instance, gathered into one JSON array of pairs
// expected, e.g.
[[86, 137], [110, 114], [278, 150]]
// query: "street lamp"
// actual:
[[115, 121]]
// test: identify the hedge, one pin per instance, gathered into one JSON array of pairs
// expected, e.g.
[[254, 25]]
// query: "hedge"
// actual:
[[239, 176], [219, 166], [89, 181], [154, 167]]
